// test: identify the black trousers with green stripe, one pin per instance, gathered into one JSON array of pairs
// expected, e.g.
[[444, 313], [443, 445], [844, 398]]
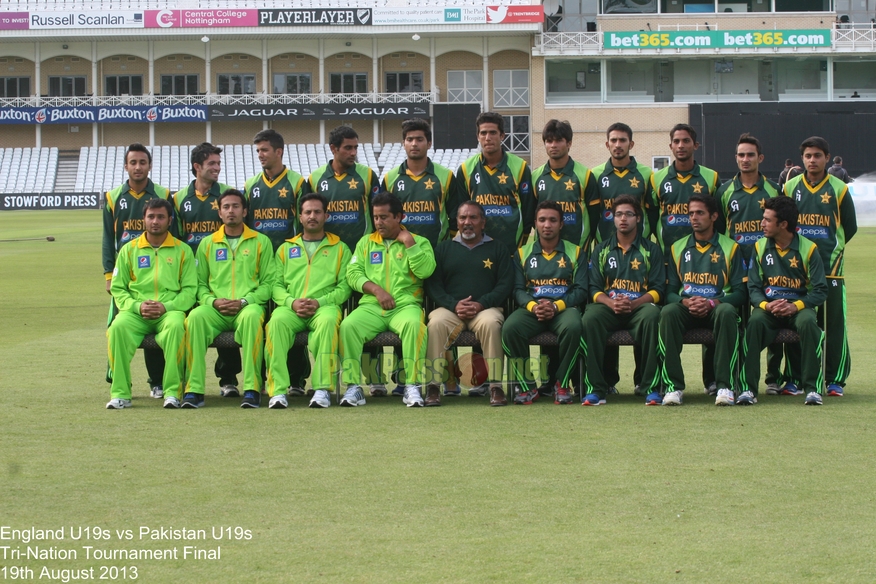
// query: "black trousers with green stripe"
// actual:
[[522, 324]]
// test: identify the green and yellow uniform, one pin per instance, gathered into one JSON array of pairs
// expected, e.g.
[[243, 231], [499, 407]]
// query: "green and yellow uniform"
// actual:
[[505, 192], [306, 269], [430, 200], [165, 274], [794, 274], [559, 277], [198, 213], [827, 217], [574, 188], [631, 272], [232, 268], [612, 182], [670, 194], [740, 211], [273, 204], [400, 271], [711, 269], [349, 196]]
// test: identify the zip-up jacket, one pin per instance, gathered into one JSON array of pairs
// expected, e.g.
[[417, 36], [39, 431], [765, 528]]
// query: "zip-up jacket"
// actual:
[[322, 276], [711, 269], [795, 274], [560, 276], [637, 271], [247, 272], [166, 274]]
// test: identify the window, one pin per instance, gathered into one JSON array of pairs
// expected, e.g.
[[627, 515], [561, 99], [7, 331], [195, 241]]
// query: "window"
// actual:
[[179, 85], [14, 86], [465, 86], [236, 84], [511, 88], [67, 86], [516, 133], [291, 83], [348, 83], [124, 85], [404, 82]]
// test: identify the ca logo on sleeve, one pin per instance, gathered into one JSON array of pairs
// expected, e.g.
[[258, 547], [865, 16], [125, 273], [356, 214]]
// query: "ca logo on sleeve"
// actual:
[[221, 255], [144, 262], [376, 257]]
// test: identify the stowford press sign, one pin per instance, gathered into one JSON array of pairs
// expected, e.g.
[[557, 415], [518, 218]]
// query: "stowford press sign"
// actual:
[[102, 114], [717, 39], [358, 111]]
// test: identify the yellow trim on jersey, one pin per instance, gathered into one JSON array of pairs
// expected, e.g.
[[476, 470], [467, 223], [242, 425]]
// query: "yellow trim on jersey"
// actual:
[[272, 183]]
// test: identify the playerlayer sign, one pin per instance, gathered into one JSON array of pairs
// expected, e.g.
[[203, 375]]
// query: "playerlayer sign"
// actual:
[[717, 39], [356, 111], [317, 17], [103, 114], [49, 201]]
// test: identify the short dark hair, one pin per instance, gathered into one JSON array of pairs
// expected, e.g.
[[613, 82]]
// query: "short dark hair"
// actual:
[[137, 147], [156, 203], [473, 203], [272, 137], [815, 142], [685, 127], [202, 152], [234, 193], [785, 209], [341, 133], [789, 162], [491, 118], [313, 197], [383, 199], [415, 124], [557, 130], [837, 159], [552, 205], [709, 201], [747, 138], [631, 201], [619, 127]]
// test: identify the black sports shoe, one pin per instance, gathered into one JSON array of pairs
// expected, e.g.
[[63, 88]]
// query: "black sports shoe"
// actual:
[[251, 399], [193, 400]]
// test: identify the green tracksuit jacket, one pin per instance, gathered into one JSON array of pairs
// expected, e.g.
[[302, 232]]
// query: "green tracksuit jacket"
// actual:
[[144, 273], [322, 277], [247, 272]]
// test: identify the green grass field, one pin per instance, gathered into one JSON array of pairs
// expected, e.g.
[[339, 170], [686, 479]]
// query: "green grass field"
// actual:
[[463, 493]]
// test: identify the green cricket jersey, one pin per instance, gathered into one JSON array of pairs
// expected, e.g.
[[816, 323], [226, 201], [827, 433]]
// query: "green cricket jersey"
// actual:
[[430, 200], [740, 211], [123, 219], [574, 188], [632, 273], [712, 269], [198, 213], [321, 276], [245, 272], [826, 216], [670, 194], [273, 204], [505, 192], [166, 274], [795, 273], [560, 276], [349, 196], [612, 182]]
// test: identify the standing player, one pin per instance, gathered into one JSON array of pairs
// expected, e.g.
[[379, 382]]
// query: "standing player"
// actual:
[[827, 217], [197, 211], [123, 222], [501, 182]]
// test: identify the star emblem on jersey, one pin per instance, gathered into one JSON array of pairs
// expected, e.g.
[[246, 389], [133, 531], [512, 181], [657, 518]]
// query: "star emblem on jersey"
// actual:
[[429, 183], [488, 264], [283, 192], [503, 178], [399, 255], [561, 262], [570, 185], [762, 201], [715, 256], [214, 205], [634, 182], [825, 198], [635, 264], [698, 188], [353, 183], [170, 261], [793, 262]]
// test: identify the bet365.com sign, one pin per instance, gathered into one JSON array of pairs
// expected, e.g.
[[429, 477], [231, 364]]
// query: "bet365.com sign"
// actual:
[[717, 39]]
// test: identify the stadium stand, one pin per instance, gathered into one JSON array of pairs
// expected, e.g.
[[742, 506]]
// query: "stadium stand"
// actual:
[[28, 170]]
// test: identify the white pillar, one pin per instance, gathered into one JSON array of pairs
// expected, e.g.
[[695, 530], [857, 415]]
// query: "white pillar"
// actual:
[[603, 80], [95, 140], [151, 62], [322, 86], [375, 87], [265, 84], [486, 84], [207, 74], [830, 79], [432, 72], [37, 90]]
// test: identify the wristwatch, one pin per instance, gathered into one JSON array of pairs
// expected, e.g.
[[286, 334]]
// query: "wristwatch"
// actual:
[[243, 302]]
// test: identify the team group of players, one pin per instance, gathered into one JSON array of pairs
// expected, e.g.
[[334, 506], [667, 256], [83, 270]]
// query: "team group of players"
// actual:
[[615, 247]]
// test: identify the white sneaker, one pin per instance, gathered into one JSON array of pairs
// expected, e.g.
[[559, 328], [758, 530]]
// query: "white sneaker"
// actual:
[[229, 391], [278, 402], [157, 392], [321, 399], [118, 404], [352, 397], [725, 398], [746, 398], [712, 389], [172, 403], [378, 390], [673, 398], [773, 389], [812, 399], [412, 397]]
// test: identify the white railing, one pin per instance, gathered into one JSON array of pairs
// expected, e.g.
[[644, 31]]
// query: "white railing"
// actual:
[[213, 99], [854, 37], [553, 41]]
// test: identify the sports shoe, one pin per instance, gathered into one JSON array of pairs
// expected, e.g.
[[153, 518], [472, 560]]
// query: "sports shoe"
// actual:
[[712, 389], [352, 397], [157, 392], [613, 390], [813, 399], [412, 397], [497, 397], [834, 390], [399, 391], [746, 398], [525, 398], [563, 397], [641, 391], [452, 392], [791, 389], [118, 404], [654, 399], [193, 400], [591, 399], [251, 399], [229, 391], [548, 389], [725, 397], [278, 402], [482, 390], [378, 390], [295, 391], [172, 403], [773, 389], [673, 398], [321, 399], [433, 396]]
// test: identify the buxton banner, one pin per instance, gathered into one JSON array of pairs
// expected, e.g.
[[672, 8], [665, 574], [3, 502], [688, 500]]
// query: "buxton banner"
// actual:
[[353, 111], [103, 114], [717, 39]]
